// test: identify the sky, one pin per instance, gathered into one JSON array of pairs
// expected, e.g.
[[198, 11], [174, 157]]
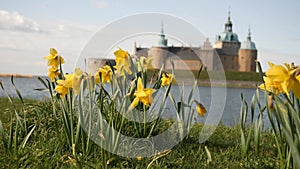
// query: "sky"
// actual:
[[28, 29]]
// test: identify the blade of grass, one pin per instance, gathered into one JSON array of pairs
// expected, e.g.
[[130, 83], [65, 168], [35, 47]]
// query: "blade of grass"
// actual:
[[3, 135], [17, 91], [27, 137]]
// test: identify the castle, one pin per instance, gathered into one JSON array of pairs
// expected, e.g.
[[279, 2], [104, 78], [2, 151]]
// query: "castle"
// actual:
[[227, 53]]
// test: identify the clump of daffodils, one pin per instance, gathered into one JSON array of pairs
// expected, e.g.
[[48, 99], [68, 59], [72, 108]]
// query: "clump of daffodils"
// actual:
[[63, 82], [108, 74]]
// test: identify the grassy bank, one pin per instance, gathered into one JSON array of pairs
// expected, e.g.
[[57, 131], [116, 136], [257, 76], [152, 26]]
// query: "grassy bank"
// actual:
[[230, 75], [47, 147]]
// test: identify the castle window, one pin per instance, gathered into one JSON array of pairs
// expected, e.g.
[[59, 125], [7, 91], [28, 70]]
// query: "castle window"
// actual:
[[231, 37]]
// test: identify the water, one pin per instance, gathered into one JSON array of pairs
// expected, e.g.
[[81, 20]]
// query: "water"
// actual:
[[26, 87], [230, 115]]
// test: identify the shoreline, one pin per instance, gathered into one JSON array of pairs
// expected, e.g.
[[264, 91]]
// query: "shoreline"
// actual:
[[230, 83], [16, 75]]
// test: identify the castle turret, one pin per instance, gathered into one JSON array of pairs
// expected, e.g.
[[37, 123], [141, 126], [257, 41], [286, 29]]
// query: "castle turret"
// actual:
[[227, 45], [159, 52], [247, 55]]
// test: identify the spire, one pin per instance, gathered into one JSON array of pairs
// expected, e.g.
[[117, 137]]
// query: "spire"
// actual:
[[249, 34], [163, 42], [228, 24], [248, 44], [162, 27]]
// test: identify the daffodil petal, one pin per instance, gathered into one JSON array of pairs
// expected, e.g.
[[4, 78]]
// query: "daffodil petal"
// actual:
[[140, 86], [134, 103], [278, 72], [77, 77], [53, 52], [296, 88]]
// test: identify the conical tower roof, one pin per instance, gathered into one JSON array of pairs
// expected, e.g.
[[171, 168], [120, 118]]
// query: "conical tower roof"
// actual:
[[248, 44]]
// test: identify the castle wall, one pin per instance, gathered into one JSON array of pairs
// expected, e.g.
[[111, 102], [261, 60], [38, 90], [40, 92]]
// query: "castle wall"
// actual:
[[228, 54], [141, 52], [159, 55], [228, 48], [230, 63], [217, 62], [184, 64], [247, 60]]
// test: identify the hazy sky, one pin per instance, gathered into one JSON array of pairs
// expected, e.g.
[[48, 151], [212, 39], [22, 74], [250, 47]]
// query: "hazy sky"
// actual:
[[29, 28]]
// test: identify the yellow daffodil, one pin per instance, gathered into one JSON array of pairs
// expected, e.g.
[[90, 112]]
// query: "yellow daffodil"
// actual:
[[63, 86], [106, 74], [54, 59], [142, 94], [146, 63], [166, 79], [200, 108], [283, 79], [53, 73], [62, 90], [68, 82], [270, 85], [122, 62]]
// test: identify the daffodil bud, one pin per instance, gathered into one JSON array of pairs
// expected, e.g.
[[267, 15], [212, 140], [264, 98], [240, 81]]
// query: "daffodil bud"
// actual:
[[200, 108], [270, 101]]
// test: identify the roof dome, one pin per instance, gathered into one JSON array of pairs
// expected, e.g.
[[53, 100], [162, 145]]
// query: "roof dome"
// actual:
[[228, 35], [248, 44]]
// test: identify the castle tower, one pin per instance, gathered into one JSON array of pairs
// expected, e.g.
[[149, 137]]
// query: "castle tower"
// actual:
[[227, 46], [159, 52], [207, 55], [247, 55]]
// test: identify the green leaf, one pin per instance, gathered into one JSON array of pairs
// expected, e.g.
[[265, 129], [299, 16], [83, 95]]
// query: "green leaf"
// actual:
[[209, 159], [27, 137]]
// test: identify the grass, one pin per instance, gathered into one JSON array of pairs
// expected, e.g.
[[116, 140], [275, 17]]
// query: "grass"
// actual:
[[47, 147], [6, 108], [230, 75]]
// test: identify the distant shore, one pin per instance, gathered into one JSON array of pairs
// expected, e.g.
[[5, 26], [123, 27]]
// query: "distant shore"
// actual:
[[230, 83], [15, 75]]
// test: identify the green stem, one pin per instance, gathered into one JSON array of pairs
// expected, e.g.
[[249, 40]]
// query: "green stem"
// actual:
[[145, 120]]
